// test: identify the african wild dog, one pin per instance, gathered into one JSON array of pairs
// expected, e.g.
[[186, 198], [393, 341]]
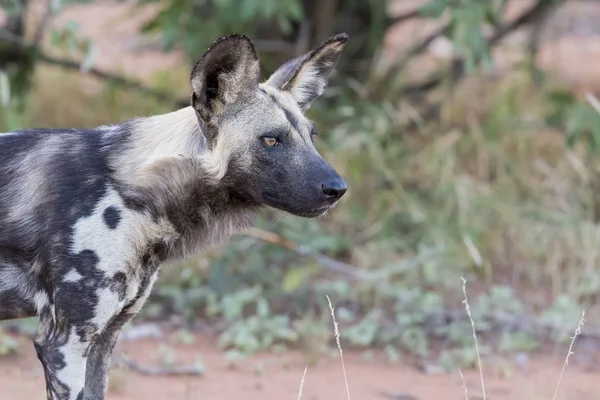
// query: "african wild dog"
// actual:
[[88, 216]]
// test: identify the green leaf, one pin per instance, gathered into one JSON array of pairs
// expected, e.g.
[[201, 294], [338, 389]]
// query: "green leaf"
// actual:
[[284, 24], [293, 280], [4, 89], [467, 35], [152, 25], [295, 10], [90, 57], [493, 10], [262, 307], [13, 121], [268, 9], [71, 26], [560, 98], [56, 37], [248, 10], [595, 134], [434, 9], [170, 37]]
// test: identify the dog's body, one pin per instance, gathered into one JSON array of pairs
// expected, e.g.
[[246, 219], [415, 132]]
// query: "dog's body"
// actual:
[[89, 216]]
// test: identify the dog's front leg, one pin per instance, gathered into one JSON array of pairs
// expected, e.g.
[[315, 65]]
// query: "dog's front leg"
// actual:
[[98, 362], [63, 356]]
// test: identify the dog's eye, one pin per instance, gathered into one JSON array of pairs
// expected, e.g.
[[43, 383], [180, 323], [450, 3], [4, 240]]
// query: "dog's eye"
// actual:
[[271, 141]]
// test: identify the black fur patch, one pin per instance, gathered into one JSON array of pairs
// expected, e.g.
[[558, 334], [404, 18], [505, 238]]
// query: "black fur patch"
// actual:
[[12, 305], [112, 217], [119, 284], [78, 300]]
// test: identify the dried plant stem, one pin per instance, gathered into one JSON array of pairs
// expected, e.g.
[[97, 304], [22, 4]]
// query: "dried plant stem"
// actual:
[[337, 340], [158, 371], [594, 102], [562, 372], [464, 384], [302, 383], [468, 308], [322, 260]]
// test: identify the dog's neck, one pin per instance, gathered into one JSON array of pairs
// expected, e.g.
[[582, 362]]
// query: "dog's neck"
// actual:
[[152, 140], [166, 166]]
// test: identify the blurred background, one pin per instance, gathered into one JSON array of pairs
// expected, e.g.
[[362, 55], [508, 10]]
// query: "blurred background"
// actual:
[[469, 134]]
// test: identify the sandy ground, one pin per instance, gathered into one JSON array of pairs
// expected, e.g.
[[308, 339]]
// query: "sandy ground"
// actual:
[[273, 376]]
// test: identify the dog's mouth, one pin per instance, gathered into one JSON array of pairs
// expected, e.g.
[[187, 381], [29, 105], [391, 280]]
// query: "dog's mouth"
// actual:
[[273, 201]]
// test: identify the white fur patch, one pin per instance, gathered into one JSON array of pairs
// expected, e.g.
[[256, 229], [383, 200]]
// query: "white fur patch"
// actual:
[[113, 247], [108, 306], [137, 306], [73, 374], [173, 135], [117, 250], [72, 276], [40, 300]]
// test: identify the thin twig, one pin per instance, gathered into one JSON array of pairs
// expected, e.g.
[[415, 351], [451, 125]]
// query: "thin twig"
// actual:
[[407, 16], [324, 261], [570, 353], [536, 11], [468, 308], [302, 383], [414, 51], [117, 79], [337, 340], [158, 371], [41, 28]]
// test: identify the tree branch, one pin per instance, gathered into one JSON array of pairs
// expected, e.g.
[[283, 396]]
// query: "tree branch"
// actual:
[[531, 15], [41, 28], [114, 78], [399, 65], [407, 16], [458, 64], [120, 80], [324, 261]]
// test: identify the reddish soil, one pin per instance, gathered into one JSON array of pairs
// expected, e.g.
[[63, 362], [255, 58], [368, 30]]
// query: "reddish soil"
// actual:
[[277, 376]]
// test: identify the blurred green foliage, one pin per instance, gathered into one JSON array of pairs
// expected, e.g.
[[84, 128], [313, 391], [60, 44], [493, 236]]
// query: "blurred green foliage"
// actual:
[[193, 25]]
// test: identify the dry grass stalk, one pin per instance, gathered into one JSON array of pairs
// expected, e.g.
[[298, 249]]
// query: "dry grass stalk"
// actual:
[[337, 340], [468, 308], [464, 384], [302, 383], [570, 353], [594, 102]]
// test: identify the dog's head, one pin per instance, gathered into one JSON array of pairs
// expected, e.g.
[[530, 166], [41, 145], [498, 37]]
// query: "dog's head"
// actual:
[[259, 132]]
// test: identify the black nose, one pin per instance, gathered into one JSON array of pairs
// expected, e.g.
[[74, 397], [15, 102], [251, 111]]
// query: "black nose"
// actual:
[[334, 188]]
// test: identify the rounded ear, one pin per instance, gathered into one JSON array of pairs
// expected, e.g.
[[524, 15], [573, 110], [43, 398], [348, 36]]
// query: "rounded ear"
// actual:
[[228, 70], [307, 76]]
